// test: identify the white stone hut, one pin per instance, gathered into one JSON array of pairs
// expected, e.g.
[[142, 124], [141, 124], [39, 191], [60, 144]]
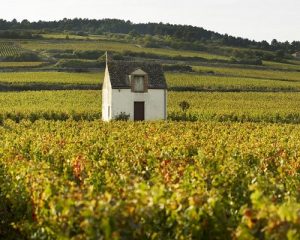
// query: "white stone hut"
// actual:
[[137, 89]]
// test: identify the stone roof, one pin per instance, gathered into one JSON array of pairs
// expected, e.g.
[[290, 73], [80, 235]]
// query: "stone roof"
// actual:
[[119, 72]]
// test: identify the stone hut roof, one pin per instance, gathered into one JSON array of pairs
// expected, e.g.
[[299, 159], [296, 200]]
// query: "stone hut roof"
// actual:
[[119, 72]]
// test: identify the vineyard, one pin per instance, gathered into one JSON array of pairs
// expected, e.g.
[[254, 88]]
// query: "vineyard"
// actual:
[[225, 167], [85, 105], [251, 73], [9, 49], [91, 180], [110, 46], [190, 81], [176, 81]]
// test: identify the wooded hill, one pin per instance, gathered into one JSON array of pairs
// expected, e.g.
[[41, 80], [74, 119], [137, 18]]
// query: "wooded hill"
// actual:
[[184, 33]]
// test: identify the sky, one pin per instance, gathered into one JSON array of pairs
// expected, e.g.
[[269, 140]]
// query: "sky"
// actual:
[[253, 19]]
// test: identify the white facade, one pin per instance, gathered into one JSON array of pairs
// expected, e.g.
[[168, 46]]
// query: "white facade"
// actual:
[[155, 101], [115, 101]]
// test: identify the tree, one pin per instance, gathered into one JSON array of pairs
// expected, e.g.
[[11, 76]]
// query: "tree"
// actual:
[[274, 44], [184, 105]]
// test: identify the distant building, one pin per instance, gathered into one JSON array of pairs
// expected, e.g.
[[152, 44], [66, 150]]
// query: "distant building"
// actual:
[[296, 54], [137, 89]]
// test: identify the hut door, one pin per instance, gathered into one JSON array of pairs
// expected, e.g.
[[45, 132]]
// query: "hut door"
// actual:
[[139, 111]]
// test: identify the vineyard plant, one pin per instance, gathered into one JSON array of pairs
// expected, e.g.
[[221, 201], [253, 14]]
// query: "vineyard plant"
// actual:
[[9, 49], [156, 180], [223, 81], [220, 107]]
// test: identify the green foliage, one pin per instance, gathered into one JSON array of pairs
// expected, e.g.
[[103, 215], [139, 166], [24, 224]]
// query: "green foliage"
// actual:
[[79, 54], [116, 46], [177, 68], [174, 35], [247, 61], [24, 57], [184, 105], [92, 55], [18, 34], [122, 116], [79, 64]]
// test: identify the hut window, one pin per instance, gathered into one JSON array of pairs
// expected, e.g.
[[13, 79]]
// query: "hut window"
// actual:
[[139, 83]]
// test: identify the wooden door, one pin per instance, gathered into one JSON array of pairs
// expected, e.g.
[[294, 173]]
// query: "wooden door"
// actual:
[[139, 111]]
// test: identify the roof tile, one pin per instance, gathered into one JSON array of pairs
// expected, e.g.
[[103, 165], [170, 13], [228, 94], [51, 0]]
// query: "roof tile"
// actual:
[[120, 70]]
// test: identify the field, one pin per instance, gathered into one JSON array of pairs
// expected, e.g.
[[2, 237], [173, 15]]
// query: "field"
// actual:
[[9, 49], [51, 77], [19, 65], [223, 82], [284, 66], [79, 104], [251, 73], [110, 46], [225, 168], [79, 180]]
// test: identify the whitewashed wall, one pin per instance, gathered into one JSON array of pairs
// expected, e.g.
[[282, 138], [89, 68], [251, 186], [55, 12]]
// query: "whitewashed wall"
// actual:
[[155, 103], [106, 97]]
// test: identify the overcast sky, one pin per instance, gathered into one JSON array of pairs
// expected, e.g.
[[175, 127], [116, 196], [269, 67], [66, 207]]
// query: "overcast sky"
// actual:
[[253, 19]]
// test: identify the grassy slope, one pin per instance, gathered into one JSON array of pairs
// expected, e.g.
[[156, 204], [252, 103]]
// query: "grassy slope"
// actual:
[[253, 73], [20, 64], [52, 77], [109, 46], [293, 66], [224, 83]]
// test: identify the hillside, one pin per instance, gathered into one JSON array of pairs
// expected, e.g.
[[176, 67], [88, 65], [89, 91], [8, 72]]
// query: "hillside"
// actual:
[[224, 167], [152, 35]]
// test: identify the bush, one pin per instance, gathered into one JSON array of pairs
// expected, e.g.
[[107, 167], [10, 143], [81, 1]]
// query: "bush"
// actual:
[[64, 55], [92, 55], [24, 57], [122, 116], [79, 64], [182, 116], [184, 105], [250, 61], [14, 34], [81, 33], [178, 68]]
